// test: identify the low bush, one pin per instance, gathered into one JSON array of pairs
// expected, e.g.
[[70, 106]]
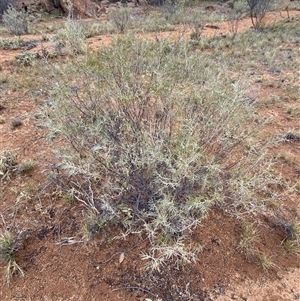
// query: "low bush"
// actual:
[[258, 10], [120, 17], [16, 21], [154, 137], [73, 35]]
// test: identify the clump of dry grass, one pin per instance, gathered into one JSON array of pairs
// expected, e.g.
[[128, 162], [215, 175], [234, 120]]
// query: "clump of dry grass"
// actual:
[[8, 249]]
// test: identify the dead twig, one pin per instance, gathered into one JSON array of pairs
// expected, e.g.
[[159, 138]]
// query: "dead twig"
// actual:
[[135, 288]]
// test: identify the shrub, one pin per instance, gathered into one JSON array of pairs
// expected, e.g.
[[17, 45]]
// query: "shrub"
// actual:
[[152, 142], [73, 35], [15, 21], [235, 15], [120, 17], [258, 10]]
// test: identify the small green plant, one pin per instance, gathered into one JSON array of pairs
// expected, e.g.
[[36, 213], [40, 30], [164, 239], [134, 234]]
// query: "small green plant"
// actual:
[[249, 238], [94, 223], [293, 112], [15, 21], [10, 44], [291, 246], [26, 58], [3, 79], [266, 262], [292, 230], [26, 167], [120, 17], [286, 158], [8, 249], [291, 241], [8, 164], [197, 31]]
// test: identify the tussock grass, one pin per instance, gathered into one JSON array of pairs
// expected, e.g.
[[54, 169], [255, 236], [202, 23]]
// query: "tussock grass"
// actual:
[[8, 249]]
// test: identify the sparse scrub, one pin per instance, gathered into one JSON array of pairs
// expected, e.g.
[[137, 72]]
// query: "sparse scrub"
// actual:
[[15, 21], [8, 249]]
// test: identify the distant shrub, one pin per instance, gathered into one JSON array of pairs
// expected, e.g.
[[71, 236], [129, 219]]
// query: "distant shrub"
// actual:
[[16, 21], [258, 10], [73, 35], [238, 11], [120, 17]]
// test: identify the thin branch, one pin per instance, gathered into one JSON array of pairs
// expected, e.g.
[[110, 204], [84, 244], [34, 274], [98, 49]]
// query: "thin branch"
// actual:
[[135, 288]]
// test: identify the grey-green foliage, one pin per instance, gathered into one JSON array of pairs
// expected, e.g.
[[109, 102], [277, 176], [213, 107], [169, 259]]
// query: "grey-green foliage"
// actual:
[[73, 35], [258, 10], [152, 131], [16, 21], [120, 17]]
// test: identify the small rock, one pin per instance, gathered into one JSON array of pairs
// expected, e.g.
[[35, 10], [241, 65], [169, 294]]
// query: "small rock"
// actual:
[[16, 122]]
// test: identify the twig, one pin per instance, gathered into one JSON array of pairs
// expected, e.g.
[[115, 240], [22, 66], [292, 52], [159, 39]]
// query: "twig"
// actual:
[[135, 287]]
